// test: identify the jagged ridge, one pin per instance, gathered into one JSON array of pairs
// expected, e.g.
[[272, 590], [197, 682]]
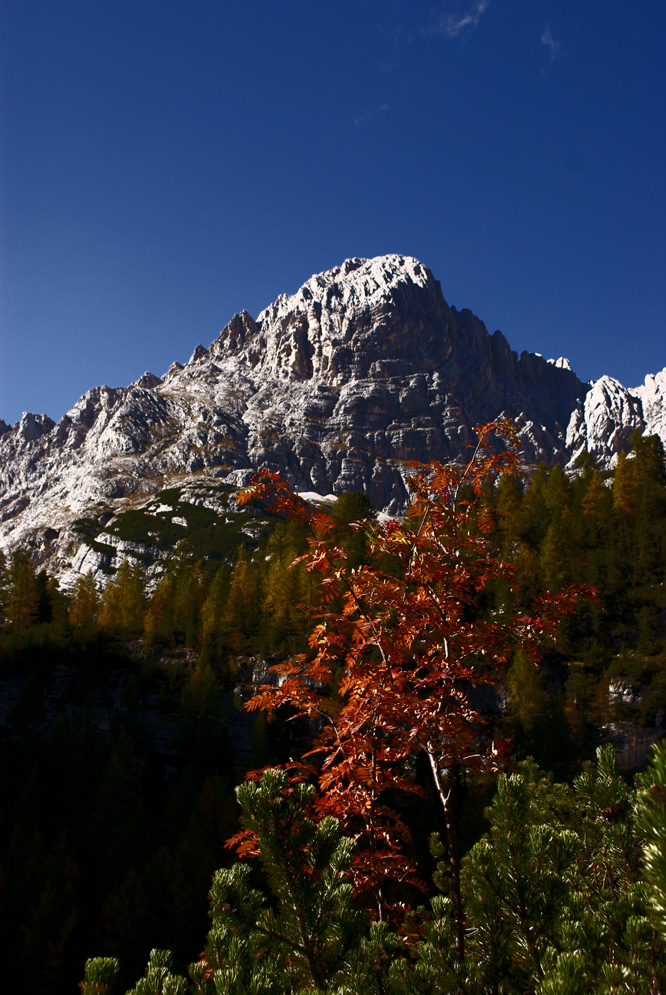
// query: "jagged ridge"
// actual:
[[366, 366]]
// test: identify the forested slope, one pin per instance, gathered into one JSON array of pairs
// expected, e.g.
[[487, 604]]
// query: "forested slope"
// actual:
[[118, 752]]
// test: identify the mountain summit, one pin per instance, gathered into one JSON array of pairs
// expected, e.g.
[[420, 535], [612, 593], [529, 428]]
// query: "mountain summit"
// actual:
[[366, 366]]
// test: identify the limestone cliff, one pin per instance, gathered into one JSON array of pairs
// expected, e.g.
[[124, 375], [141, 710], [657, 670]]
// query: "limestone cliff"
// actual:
[[365, 367]]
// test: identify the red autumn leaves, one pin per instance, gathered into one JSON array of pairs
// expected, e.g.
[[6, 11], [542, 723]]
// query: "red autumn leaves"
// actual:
[[400, 644]]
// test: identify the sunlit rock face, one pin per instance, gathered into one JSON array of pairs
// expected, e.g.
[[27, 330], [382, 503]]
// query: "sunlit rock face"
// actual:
[[337, 386], [652, 397], [603, 424]]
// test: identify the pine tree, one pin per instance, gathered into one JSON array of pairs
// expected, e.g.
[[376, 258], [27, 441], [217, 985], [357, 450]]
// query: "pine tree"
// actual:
[[555, 553], [188, 596], [625, 485], [287, 594], [212, 613], [593, 495], [159, 978], [159, 626], [527, 699], [309, 934], [351, 507], [100, 976], [555, 902], [652, 820], [56, 602]]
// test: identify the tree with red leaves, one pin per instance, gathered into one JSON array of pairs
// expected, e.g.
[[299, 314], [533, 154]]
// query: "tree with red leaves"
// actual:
[[400, 645]]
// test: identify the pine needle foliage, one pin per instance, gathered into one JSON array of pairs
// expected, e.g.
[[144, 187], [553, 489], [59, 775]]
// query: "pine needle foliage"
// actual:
[[312, 927], [652, 817], [559, 896], [100, 976]]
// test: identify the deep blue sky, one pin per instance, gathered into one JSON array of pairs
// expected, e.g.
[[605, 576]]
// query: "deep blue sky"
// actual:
[[166, 163]]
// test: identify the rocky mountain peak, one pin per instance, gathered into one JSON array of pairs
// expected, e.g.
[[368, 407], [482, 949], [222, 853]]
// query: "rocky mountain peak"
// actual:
[[347, 323], [336, 386]]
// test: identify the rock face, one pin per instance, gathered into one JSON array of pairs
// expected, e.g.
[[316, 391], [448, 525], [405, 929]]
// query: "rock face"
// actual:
[[365, 367]]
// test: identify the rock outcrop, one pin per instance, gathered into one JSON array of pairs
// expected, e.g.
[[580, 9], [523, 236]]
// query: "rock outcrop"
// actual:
[[364, 368]]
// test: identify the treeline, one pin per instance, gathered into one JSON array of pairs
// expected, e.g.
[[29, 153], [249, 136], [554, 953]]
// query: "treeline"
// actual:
[[607, 528], [604, 529], [599, 528], [258, 604]]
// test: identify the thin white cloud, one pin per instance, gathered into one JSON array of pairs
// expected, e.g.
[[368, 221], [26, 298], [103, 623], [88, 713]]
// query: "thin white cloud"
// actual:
[[453, 24], [551, 43], [369, 115]]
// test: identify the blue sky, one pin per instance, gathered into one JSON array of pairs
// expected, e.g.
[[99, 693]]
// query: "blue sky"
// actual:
[[166, 163]]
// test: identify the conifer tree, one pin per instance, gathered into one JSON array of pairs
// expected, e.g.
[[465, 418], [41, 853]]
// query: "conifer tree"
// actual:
[[508, 500], [123, 600], [353, 506], [593, 495], [55, 602], [286, 593], [533, 517], [241, 614], [100, 976], [652, 820], [188, 596], [308, 936], [555, 902], [527, 699], [555, 559], [159, 978], [84, 601], [212, 613], [22, 602], [159, 617], [625, 485]]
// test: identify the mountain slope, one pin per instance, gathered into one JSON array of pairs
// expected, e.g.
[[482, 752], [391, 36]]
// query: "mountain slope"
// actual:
[[366, 366]]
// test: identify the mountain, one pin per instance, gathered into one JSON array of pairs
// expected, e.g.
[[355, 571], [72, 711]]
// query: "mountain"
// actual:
[[366, 366]]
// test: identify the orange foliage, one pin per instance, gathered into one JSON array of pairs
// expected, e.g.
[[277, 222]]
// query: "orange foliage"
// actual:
[[397, 650]]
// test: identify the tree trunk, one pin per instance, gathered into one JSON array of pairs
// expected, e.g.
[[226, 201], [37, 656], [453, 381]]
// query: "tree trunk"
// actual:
[[454, 863]]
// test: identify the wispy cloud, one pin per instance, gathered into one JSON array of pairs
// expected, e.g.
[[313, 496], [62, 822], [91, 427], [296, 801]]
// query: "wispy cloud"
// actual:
[[369, 115], [551, 43], [453, 24]]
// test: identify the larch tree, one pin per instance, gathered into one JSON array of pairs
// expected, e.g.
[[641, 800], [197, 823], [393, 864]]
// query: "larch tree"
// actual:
[[22, 599], [84, 601], [241, 614], [123, 601]]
